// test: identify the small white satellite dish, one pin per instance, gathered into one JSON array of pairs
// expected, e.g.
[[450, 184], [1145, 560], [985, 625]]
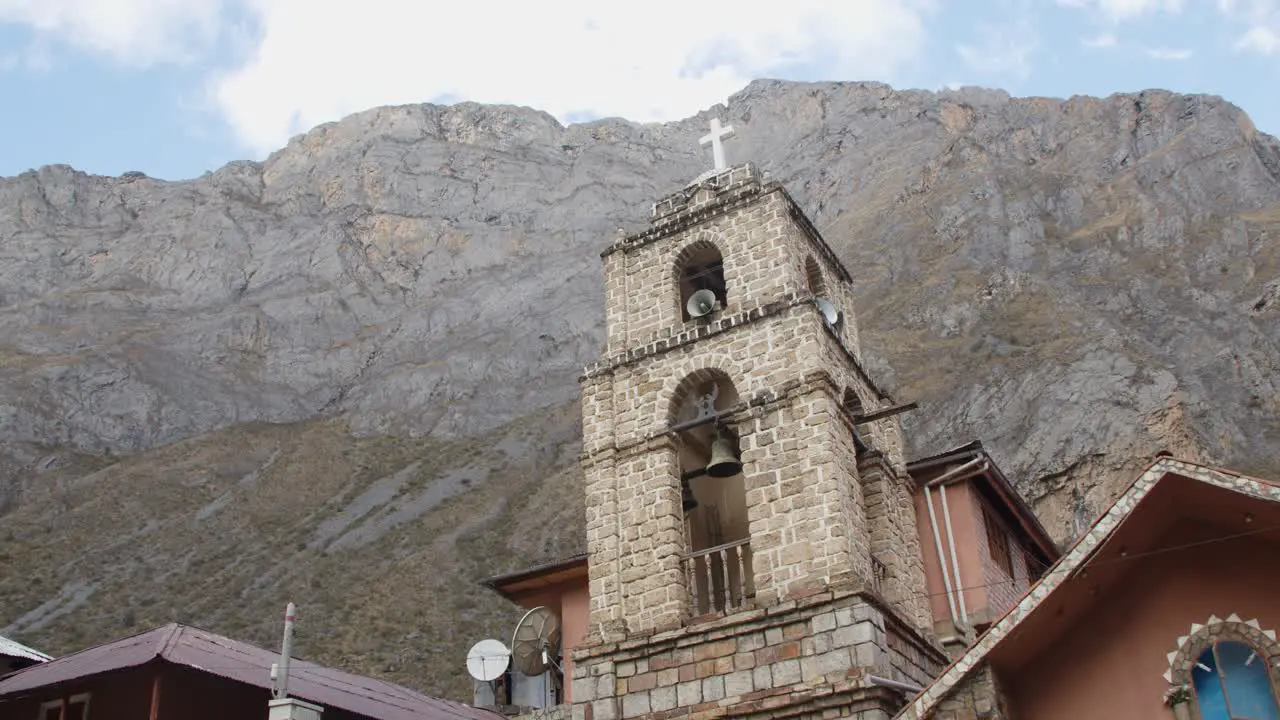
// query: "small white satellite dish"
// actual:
[[535, 646], [701, 303], [830, 314], [487, 660]]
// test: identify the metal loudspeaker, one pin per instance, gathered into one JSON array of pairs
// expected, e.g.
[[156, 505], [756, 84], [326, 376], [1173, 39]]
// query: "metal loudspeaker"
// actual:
[[832, 316], [724, 458], [701, 303]]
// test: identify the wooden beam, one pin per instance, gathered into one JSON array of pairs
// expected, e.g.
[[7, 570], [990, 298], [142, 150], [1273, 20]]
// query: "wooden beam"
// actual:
[[882, 414]]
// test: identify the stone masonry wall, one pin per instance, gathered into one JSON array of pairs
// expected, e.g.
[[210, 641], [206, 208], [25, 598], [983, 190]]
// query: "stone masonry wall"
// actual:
[[804, 502], [883, 435], [763, 248], [890, 512], [805, 523], [834, 277], [810, 657], [752, 242]]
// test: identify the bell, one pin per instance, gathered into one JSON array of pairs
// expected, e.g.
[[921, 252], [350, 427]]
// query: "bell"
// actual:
[[687, 500], [724, 459]]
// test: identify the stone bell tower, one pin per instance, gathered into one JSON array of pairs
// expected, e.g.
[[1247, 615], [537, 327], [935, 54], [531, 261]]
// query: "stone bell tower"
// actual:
[[751, 538]]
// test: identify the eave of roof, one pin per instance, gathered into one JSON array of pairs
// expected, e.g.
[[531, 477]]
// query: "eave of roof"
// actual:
[[503, 584], [1075, 558], [233, 660], [11, 648]]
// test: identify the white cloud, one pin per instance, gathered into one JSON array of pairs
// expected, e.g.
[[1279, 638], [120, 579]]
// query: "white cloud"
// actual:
[[658, 60], [1002, 50], [1169, 53], [1120, 10], [132, 32], [1105, 40], [1259, 39]]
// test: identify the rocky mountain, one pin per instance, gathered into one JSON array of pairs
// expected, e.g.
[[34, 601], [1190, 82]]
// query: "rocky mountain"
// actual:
[[346, 376]]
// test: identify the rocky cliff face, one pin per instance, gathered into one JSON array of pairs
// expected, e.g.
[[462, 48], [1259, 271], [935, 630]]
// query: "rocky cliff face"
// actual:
[[354, 363]]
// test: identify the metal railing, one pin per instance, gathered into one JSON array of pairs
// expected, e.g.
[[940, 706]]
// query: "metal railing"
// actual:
[[720, 578]]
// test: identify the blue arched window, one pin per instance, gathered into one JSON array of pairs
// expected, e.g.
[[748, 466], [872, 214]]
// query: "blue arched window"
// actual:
[[1232, 683]]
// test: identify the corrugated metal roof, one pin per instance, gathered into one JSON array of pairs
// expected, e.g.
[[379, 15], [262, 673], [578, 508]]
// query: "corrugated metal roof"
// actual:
[[9, 648], [242, 662]]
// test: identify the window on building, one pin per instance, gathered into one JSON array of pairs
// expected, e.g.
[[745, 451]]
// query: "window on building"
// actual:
[[1232, 683], [997, 543], [700, 267], [1034, 567], [77, 707]]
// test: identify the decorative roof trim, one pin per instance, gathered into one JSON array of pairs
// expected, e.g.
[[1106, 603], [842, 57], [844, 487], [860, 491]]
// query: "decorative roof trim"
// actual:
[[1182, 659], [1074, 560]]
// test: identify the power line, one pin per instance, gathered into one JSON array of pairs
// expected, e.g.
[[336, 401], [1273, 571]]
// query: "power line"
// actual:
[[1104, 561]]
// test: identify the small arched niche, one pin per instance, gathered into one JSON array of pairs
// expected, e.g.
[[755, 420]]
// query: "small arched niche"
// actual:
[[715, 508], [700, 266], [852, 404], [813, 278]]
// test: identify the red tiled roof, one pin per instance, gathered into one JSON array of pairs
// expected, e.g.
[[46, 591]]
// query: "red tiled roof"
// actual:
[[234, 660]]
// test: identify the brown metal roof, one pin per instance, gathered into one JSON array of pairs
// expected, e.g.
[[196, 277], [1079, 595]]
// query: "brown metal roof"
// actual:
[[544, 571], [9, 648], [242, 662]]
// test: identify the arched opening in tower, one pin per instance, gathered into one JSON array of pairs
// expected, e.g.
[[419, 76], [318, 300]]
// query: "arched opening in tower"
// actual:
[[717, 531], [700, 267], [813, 278]]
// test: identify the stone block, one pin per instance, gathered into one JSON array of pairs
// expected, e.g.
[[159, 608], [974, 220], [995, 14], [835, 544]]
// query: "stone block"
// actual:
[[584, 689], [762, 677], [663, 698], [713, 689], [853, 634], [689, 693], [604, 709], [738, 683], [606, 686], [823, 622], [786, 673], [640, 683], [635, 703]]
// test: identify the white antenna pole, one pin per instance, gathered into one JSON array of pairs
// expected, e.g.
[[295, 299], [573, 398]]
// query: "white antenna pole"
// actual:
[[281, 684]]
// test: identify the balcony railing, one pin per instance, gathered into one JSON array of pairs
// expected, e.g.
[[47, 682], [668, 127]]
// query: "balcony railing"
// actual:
[[879, 572], [720, 578]]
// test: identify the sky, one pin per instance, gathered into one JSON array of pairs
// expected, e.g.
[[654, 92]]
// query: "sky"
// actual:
[[176, 88]]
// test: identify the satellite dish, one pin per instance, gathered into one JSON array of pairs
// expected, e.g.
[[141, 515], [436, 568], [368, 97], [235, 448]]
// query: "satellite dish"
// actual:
[[701, 303], [830, 314], [487, 660], [536, 642]]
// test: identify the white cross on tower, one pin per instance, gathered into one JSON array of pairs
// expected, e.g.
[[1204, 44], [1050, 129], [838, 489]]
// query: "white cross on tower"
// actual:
[[715, 138]]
